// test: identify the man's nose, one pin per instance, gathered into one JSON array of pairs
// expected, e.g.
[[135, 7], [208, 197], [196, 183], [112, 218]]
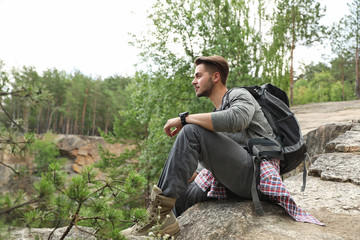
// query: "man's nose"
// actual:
[[194, 81]]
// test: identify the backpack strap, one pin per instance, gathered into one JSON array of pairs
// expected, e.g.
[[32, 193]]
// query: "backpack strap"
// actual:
[[254, 194], [304, 173]]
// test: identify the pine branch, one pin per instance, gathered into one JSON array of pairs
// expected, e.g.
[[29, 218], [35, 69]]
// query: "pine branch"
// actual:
[[11, 119], [84, 231], [91, 218], [19, 206], [101, 218], [56, 227], [14, 93], [72, 222], [17, 173]]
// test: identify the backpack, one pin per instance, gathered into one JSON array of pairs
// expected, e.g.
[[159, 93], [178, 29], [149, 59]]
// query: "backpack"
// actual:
[[288, 145], [275, 106]]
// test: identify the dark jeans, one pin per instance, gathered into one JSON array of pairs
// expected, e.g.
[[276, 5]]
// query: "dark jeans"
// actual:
[[229, 162], [193, 194]]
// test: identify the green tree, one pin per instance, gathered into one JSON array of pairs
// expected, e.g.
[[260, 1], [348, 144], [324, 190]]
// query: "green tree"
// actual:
[[51, 114], [349, 28], [343, 70], [26, 79], [321, 86], [296, 22], [45, 153], [112, 97]]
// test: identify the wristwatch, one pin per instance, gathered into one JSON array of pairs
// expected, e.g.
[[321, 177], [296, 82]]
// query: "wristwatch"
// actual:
[[183, 117]]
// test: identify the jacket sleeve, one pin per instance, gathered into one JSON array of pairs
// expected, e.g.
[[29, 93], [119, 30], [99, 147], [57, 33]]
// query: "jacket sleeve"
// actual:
[[238, 116]]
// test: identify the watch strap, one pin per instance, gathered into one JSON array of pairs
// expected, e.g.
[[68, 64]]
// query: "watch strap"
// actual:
[[183, 117]]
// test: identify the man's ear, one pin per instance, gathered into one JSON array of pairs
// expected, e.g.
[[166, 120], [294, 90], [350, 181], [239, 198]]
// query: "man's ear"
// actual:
[[216, 77]]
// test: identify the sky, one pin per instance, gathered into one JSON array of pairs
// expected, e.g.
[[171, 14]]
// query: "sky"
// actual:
[[92, 35]]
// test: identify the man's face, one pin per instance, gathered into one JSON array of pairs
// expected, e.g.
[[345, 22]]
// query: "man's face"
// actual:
[[202, 82]]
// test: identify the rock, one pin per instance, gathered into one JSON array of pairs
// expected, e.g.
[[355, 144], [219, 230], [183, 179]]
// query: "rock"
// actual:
[[341, 167], [341, 162], [43, 233], [347, 142], [84, 150], [338, 209], [322, 197], [317, 139]]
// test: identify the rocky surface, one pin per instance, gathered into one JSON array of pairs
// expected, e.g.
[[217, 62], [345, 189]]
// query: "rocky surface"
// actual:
[[338, 167], [313, 115], [80, 233]]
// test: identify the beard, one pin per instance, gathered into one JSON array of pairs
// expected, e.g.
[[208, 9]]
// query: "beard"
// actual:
[[208, 87]]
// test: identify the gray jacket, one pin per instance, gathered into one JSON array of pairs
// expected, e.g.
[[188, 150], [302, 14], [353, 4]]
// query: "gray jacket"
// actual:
[[240, 117]]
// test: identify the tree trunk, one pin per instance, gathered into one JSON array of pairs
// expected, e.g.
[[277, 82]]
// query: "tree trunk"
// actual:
[[26, 113], [76, 127], [94, 115], [342, 78], [50, 119], [106, 121], [357, 82], [68, 121], [83, 111], [38, 130], [46, 123], [292, 59], [61, 123]]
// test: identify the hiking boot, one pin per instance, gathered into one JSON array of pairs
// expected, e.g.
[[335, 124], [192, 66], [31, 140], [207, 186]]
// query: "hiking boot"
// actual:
[[159, 214]]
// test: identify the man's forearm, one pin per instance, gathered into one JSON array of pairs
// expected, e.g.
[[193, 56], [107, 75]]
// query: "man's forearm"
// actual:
[[174, 125], [201, 119]]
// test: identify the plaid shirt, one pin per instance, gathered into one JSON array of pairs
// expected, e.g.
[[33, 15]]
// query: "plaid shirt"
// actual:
[[270, 185]]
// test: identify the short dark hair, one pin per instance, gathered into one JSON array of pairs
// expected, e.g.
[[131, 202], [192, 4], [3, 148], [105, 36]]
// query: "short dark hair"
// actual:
[[215, 64]]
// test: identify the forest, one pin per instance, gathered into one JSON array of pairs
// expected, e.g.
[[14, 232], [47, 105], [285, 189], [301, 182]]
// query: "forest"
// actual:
[[258, 38]]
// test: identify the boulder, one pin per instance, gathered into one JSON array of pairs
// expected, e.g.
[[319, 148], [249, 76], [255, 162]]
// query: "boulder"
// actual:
[[84, 150], [347, 142], [338, 207], [81, 233], [316, 140], [341, 167]]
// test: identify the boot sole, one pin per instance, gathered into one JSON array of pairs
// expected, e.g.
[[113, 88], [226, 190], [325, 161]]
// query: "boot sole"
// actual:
[[171, 229]]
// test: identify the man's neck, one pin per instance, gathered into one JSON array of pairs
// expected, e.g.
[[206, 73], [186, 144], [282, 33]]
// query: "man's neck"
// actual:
[[217, 95]]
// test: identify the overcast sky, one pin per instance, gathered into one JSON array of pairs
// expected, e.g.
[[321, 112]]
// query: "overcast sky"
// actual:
[[91, 35]]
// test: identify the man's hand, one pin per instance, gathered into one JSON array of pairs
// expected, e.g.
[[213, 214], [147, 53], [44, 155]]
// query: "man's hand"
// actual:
[[173, 123], [193, 177]]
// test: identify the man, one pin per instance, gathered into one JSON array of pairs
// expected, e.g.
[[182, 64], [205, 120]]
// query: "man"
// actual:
[[217, 140]]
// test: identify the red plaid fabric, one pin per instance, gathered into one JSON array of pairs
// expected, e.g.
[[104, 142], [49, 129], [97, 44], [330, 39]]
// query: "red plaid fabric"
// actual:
[[270, 185], [205, 179]]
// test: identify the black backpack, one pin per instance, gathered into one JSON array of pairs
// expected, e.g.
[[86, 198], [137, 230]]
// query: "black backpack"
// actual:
[[288, 146], [275, 106]]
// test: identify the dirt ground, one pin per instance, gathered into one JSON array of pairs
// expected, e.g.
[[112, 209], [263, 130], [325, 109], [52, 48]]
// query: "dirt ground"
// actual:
[[311, 116]]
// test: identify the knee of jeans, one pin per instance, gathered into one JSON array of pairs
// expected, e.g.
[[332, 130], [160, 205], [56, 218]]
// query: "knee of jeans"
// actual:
[[190, 129]]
